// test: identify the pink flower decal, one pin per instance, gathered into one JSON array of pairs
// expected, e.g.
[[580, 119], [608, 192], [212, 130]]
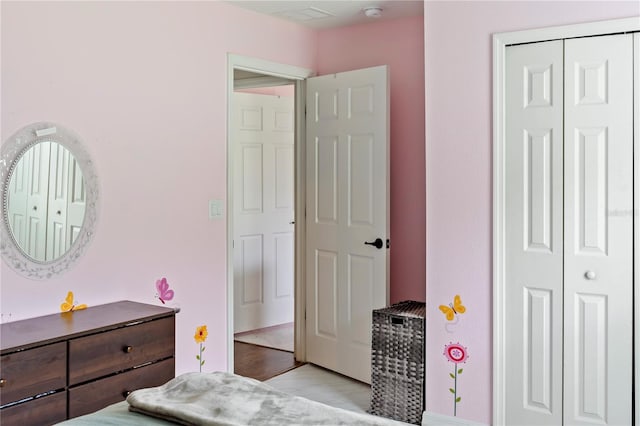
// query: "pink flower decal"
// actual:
[[456, 353]]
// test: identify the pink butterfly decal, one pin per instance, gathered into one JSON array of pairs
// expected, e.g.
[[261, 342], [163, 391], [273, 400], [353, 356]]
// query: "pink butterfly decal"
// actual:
[[164, 293]]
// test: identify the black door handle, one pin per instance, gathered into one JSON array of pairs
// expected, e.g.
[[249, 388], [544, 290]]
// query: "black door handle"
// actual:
[[377, 243]]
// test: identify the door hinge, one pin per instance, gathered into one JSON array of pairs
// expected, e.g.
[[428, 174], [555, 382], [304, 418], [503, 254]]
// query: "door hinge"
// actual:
[[388, 243]]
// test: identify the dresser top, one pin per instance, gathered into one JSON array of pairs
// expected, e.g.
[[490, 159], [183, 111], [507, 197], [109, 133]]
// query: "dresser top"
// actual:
[[24, 334]]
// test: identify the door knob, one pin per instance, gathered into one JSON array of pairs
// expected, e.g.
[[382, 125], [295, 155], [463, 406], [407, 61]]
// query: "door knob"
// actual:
[[590, 275], [377, 243]]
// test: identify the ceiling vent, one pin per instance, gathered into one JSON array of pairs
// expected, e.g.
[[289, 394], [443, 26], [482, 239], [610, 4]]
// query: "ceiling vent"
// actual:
[[309, 14]]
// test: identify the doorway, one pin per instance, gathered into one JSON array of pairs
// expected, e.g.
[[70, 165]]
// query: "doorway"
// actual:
[[263, 210], [253, 75], [341, 190]]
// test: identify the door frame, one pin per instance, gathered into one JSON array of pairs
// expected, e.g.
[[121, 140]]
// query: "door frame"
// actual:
[[298, 75], [500, 42]]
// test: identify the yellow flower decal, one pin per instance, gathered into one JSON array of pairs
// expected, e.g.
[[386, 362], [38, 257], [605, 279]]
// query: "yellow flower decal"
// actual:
[[201, 334], [200, 337]]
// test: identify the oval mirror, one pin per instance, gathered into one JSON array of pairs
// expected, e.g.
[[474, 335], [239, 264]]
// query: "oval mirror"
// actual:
[[49, 196]]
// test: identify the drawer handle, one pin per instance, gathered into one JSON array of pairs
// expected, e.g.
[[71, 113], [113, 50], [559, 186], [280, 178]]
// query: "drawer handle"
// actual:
[[126, 393], [2, 382], [127, 349]]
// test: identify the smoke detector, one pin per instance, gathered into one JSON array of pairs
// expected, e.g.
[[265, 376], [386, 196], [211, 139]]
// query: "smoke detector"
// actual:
[[373, 12]]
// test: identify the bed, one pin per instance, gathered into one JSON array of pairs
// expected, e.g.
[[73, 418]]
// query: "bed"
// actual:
[[222, 399]]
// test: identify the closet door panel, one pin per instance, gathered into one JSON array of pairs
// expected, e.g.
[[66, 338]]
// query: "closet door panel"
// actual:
[[534, 247], [636, 209], [598, 281]]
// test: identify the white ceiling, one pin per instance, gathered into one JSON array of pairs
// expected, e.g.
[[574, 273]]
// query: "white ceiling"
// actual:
[[320, 14]]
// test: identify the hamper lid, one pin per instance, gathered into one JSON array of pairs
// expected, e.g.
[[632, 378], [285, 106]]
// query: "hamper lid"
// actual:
[[408, 308]]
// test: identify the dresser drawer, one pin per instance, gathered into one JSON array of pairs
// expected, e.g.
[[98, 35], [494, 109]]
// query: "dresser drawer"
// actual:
[[46, 410], [105, 353], [93, 396], [32, 372]]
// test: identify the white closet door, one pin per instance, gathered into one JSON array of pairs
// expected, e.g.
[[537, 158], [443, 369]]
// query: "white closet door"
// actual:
[[28, 207], [76, 202], [534, 228], [598, 274], [57, 244], [636, 208]]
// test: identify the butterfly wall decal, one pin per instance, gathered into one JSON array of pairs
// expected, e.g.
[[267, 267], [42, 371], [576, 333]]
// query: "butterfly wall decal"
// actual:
[[453, 309], [164, 293], [69, 306]]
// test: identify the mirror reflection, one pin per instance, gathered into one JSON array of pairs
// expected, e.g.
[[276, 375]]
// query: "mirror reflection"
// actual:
[[46, 201], [50, 200]]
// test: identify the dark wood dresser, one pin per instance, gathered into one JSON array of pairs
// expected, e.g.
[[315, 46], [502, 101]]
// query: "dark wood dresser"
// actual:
[[65, 365]]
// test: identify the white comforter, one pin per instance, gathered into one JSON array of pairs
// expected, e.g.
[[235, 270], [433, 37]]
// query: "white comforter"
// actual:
[[227, 399]]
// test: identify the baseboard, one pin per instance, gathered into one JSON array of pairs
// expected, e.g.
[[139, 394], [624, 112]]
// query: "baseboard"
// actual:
[[433, 419]]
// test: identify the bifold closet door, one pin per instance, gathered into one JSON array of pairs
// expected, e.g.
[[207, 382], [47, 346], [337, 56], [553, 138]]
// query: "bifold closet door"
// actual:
[[569, 175], [534, 233], [598, 244]]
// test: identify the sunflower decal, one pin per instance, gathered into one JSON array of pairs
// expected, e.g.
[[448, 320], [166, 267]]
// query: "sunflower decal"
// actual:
[[200, 337]]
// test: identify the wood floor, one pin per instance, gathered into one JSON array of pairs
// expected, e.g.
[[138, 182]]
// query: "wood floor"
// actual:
[[261, 363]]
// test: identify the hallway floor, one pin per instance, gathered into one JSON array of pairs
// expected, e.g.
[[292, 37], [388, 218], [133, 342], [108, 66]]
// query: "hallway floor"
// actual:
[[261, 363]]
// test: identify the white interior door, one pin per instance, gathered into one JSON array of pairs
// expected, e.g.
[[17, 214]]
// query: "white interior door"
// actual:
[[263, 132], [347, 205], [598, 255], [569, 228]]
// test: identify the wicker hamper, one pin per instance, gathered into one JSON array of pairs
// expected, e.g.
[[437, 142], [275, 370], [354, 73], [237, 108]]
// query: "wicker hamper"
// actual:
[[397, 362]]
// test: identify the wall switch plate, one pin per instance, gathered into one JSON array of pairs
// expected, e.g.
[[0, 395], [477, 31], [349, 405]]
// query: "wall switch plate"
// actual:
[[216, 209]]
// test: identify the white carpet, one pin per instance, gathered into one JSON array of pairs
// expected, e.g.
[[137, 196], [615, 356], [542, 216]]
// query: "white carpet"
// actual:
[[277, 337], [324, 386]]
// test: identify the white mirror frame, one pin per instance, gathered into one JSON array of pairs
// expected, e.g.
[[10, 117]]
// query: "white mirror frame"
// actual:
[[11, 151]]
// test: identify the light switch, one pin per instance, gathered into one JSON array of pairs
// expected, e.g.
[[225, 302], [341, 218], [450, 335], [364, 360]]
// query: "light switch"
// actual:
[[216, 209]]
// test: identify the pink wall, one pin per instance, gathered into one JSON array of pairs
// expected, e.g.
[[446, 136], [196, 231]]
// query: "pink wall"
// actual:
[[144, 84], [458, 60], [399, 44]]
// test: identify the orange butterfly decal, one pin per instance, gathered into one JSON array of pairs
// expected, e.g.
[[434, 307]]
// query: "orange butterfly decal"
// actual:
[[68, 306], [453, 309]]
